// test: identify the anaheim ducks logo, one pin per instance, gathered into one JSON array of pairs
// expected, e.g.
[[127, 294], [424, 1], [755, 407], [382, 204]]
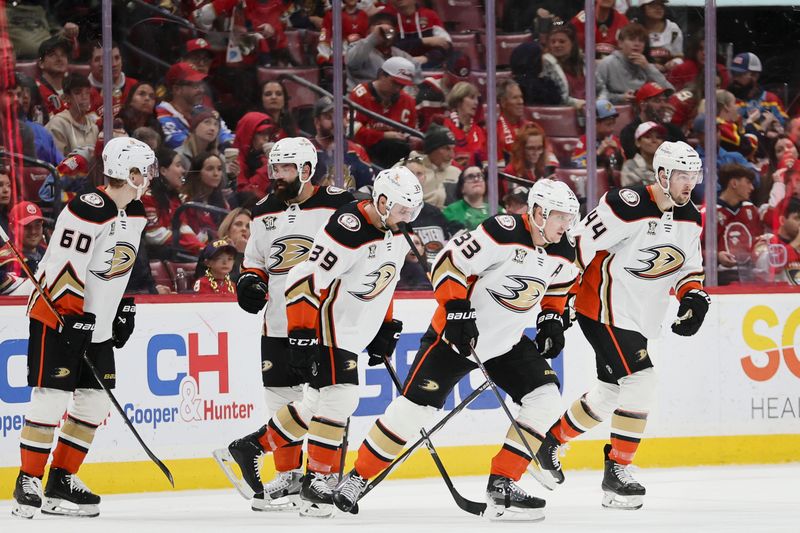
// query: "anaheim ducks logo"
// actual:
[[123, 256], [266, 365], [664, 260], [522, 295], [288, 252], [350, 364], [382, 277], [429, 385], [61, 372]]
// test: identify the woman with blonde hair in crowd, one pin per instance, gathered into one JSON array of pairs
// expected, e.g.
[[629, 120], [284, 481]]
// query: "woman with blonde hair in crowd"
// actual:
[[235, 227], [462, 102]]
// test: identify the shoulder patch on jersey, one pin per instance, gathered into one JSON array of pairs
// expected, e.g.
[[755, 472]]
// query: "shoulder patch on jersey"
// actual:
[[93, 199], [506, 222], [564, 248], [349, 222], [629, 196], [507, 229], [334, 190]]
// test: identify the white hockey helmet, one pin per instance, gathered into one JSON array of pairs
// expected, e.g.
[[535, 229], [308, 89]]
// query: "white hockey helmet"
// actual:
[[401, 188], [295, 151], [121, 155], [552, 195], [677, 157]]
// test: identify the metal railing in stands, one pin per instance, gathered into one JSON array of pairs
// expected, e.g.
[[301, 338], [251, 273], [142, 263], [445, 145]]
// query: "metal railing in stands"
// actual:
[[34, 162], [176, 225]]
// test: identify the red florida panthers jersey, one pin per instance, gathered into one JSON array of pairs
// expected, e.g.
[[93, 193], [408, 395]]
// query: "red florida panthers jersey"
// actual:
[[401, 109], [738, 229]]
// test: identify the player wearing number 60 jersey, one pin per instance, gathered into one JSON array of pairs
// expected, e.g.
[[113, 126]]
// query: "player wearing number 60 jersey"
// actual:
[[636, 246], [85, 271], [281, 236], [490, 280]]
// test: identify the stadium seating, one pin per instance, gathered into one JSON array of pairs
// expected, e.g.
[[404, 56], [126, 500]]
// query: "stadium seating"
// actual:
[[505, 45], [556, 121], [469, 45], [459, 15], [298, 94]]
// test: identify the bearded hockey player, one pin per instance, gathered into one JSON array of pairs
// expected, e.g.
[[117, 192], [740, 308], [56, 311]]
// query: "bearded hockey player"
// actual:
[[489, 280], [281, 236], [85, 271], [636, 246]]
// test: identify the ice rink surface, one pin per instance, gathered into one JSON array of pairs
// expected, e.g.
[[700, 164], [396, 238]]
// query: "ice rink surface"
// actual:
[[751, 499]]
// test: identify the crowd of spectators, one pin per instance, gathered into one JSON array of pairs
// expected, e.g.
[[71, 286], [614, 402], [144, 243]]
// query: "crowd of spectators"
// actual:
[[419, 101]]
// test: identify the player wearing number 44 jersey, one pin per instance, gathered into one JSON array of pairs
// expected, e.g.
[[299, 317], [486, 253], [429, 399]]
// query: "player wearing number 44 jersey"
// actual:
[[85, 271], [636, 246], [338, 303], [281, 236], [489, 280]]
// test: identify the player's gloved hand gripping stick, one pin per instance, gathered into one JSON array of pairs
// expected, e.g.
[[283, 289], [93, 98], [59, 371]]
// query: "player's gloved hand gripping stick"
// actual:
[[77, 338]]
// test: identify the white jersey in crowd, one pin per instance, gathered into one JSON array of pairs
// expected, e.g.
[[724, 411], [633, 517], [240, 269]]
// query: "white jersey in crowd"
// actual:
[[632, 254], [348, 281], [281, 236], [89, 260], [504, 276]]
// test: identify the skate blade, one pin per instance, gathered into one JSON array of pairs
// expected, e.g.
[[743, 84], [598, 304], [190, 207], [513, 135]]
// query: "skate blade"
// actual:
[[224, 459], [612, 500], [317, 510], [279, 505], [543, 477], [500, 513], [57, 507], [23, 511]]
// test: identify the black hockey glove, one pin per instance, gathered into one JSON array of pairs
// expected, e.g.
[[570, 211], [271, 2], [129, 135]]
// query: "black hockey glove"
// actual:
[[384, 342], [691, 312], [251, 292], [303, 346], [549, 334], [76, 334], [124, 322], [460, 329]]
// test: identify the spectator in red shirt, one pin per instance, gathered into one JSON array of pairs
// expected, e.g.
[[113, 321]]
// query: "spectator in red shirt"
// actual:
[[53, 68], [121, 84], [511, 117], [531, 158], [213, 273], [252, 136], [355, 26], [784, 247], [385, 96], [462, 101], [608, 23], [692, 67], [420, 32], [275, 102], [26, 223]]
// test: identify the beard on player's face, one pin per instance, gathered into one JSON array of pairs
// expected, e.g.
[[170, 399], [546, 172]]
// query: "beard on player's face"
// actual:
[[285, 190]]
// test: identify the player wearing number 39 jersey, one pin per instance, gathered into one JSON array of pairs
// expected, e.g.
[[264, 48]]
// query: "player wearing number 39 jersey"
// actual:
[[338, 301], [85, 271], [489, 281], [636, 246]]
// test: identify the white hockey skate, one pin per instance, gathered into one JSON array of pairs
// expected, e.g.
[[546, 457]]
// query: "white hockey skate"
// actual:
[[620, 490], [280, 494]]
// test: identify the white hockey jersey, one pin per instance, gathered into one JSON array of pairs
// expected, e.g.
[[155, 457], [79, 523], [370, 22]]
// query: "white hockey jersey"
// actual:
[[345, 288], [505, 276], [87, 265], [281, 237], [632, 254]]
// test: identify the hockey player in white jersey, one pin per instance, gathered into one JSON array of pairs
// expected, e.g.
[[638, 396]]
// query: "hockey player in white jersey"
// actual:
[[490, 280], [339, 302], [636, 246], [85, 271], [281, 236]]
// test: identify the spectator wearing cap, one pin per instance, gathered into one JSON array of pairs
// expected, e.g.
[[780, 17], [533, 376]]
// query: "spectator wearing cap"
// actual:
[[139, 109], [564, 64], [274, 101], [762, 108], [364, 58], [666, 37], [652, 105], [420, 32], [609, 23], [75, 127], [121, 83], [463, 102], [441, 176], [639, 169], [510, 119], [27, 229], [385, 97], [355, 26], [609, 148], [531, 157], [214, 267], [432, 93], [527, 70], [357, 172], [691, 70], [252, 140], [184, 91], [53, 69], [199, 55], [622, 73]]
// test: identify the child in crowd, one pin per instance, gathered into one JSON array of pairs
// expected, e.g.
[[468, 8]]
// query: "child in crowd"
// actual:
[[214, 268]]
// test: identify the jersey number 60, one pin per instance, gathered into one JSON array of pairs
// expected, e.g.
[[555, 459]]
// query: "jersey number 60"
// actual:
[[82, 242]]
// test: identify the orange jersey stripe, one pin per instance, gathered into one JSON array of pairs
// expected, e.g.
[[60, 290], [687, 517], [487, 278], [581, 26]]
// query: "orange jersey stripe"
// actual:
[[619, 351], [589, 302]]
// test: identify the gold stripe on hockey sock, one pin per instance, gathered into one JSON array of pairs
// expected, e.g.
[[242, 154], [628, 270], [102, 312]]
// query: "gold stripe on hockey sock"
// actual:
[[288, 422], [628, 424], [580, 414], [325, 432], [383, 442], [514, 441], [77, 432], [37, 436]]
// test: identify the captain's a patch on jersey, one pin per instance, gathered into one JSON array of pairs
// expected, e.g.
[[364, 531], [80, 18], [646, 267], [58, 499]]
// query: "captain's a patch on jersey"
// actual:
[[629, 197], [349, 222], [93, 199]]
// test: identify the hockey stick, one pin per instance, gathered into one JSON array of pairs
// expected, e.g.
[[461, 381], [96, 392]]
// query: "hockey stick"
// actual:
[[404, 230], [476, 508], [46, 298], [411, 449]]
